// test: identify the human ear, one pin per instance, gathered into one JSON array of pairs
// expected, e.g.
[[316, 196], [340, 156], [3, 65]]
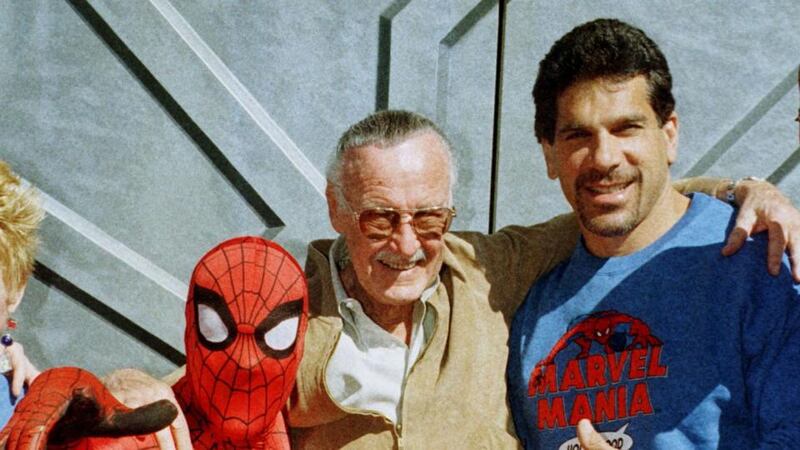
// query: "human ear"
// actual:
[[670, 129], [15, 298], [334, 213], [550, 159]]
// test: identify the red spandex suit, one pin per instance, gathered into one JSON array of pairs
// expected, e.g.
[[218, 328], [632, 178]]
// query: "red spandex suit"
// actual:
[[246, 315]]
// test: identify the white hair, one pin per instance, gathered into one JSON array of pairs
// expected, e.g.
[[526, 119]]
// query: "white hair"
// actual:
[[385, 129]]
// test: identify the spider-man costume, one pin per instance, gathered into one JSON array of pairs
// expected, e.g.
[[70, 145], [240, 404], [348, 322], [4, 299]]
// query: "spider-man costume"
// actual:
[[246, 316]]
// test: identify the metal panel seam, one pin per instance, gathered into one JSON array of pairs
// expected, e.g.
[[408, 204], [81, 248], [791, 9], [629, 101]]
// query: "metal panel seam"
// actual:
[[242, 95]]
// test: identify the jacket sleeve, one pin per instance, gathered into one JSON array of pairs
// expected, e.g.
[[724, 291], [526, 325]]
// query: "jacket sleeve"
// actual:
[[513, 258], [707, 185]]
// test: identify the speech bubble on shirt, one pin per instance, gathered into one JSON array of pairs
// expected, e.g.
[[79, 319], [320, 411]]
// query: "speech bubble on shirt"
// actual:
[[616, 439]]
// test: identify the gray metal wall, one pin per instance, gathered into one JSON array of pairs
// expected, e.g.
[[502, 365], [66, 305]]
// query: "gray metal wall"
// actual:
[[734, 66], [156, 128]]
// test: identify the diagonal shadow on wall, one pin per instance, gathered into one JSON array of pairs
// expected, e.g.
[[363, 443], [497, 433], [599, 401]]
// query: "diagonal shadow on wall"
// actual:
[[54, 280], [176, 112]]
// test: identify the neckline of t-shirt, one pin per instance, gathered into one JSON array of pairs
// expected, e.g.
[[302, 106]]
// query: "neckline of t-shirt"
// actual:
[[616, 264]]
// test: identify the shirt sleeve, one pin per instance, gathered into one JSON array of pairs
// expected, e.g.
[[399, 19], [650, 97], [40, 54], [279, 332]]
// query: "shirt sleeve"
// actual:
[[772, 350]]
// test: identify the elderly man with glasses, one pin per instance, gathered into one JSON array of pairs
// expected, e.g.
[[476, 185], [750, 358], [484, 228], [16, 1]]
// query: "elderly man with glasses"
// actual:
[[407, 341], [403, 348], [407, 337]]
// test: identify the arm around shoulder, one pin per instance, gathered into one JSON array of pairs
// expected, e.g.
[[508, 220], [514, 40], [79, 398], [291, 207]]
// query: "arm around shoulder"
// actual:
[[516, 256]]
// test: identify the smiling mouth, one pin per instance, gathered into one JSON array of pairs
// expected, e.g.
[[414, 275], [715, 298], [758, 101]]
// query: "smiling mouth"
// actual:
[[601, 189], [398, 266], [401, 263]]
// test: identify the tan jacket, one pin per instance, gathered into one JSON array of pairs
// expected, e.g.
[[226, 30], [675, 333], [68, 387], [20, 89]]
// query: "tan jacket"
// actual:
[[455, 394]]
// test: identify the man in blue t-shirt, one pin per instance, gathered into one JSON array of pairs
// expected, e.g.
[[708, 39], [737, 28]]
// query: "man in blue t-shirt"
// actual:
[[646, 331]]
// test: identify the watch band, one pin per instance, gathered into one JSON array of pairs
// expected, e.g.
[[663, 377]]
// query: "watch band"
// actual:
[[730, 192], [730, 189]]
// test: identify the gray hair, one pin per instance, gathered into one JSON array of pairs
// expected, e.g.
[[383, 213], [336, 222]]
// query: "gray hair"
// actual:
[[385, 129]]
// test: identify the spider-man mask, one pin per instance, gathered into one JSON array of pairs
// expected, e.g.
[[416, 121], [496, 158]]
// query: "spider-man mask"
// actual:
[[245, 319]]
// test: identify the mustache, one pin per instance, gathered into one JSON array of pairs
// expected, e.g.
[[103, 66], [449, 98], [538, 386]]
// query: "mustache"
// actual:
[[398, 260], [613, 176]]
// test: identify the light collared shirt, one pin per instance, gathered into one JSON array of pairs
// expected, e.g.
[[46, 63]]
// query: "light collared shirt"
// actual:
[[368, 368]]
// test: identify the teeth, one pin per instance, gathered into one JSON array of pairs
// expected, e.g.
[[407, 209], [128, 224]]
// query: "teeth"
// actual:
[[396, 261], [607, 189], [398, 266]]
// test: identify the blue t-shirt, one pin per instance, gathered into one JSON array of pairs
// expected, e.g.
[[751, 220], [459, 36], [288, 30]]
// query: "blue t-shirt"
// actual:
[[671, 347], [7, 401]]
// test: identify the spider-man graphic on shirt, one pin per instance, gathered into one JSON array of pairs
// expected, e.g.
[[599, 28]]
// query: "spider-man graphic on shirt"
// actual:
[[246, 316]]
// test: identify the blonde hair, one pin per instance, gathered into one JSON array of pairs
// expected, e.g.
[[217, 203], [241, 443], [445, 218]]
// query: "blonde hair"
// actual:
[[20, 215]]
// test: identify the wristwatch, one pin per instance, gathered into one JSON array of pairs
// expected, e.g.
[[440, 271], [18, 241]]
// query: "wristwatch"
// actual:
[[730, 190]]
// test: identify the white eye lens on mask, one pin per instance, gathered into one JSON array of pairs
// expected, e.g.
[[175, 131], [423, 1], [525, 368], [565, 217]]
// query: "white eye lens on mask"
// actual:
[[282, 335], [210, 324]]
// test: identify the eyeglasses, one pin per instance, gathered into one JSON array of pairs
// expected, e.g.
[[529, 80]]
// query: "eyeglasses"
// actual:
[[428, 223]]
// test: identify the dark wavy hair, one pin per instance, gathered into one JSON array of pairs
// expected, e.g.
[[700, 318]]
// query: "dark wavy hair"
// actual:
[[602, 48]]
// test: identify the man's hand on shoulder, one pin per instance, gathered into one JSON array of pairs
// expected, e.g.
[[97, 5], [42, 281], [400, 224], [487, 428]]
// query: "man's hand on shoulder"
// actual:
[[762, 207], [135, 388]]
